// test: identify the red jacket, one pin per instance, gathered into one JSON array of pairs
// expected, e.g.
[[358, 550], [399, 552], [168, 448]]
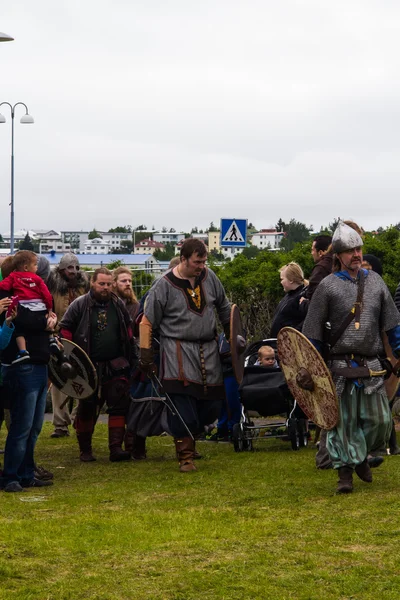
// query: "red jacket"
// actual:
[[27, 286]]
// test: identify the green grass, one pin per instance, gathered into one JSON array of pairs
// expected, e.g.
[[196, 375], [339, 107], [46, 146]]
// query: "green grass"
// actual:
[[255, 525]]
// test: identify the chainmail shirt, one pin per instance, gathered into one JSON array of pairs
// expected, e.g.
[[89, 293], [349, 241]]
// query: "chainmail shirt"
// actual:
[[332, 301]]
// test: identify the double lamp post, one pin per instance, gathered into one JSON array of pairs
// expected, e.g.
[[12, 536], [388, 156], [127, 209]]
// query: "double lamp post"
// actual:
[[25, 119]]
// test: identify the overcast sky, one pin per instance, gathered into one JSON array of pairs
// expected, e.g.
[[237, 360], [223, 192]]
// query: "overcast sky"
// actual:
[[178, 113]]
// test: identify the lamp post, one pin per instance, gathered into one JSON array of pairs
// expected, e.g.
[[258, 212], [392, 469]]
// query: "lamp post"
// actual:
[[25, 119]]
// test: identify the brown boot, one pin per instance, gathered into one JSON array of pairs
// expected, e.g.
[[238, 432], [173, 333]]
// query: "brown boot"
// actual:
[[345, 483], [139, 448], [85, 446], [116, 436], [364, 472], [185, 453]]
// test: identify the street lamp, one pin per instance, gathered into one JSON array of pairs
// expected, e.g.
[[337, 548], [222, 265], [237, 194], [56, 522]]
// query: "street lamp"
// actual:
[[27, 119], [4, 37]]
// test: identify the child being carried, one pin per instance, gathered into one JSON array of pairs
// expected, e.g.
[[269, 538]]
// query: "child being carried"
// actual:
[[30, 292]]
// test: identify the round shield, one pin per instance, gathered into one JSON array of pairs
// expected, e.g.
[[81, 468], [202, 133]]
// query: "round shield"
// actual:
[[237, 343], [392, 382], [308, 378], [73, 373]]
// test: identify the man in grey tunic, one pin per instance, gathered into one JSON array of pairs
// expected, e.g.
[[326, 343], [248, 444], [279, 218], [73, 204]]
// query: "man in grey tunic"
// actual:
[[356, 354], [181, 307]]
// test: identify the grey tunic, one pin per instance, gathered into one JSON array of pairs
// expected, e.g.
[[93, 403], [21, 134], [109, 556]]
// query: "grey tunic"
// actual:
[[185, 321], [332, 301]]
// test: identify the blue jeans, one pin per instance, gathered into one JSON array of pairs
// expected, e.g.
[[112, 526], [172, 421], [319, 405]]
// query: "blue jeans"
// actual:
[[227, 420], [26, 385]]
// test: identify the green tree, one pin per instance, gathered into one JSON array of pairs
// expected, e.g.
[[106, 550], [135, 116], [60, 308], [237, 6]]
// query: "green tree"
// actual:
[[295, 232], [167, 253], [121, 229], [126, 246], [94, 234], [280, 226], [26, 243], [212, 227], [251, 251]]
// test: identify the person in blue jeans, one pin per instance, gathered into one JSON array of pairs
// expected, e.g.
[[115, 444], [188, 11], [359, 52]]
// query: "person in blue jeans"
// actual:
[[231, 408], [26, 385]]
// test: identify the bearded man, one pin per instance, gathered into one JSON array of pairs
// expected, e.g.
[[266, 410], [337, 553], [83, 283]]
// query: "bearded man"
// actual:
[[65, 283], [358, 307], [181, 306], [122, 286], [100, 324]]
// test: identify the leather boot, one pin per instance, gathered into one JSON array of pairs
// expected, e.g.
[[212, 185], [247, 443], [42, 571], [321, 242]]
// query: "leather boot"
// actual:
[[345, 483], [364, 472], [185, 453], [116, 436], [139, 448], [85, 446]]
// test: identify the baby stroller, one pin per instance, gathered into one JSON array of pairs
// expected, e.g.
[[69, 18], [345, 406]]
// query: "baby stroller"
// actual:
[[264, 391]]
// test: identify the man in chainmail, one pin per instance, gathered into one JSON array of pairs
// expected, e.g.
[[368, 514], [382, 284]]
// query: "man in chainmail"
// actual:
[[181, 306], [358, 306], [65, 283]]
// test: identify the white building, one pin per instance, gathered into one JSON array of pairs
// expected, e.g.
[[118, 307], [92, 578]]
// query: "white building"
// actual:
[[167, 237], [267, 239], [97, 246], [230, 252]]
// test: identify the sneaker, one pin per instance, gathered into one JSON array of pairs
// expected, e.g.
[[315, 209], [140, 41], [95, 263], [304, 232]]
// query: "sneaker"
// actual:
[[59, 433], [43, 474], [35, 483], [13, 486], [21, 357], [218, 437]]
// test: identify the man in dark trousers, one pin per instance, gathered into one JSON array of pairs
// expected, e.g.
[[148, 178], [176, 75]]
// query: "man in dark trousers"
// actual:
[[100, 324]]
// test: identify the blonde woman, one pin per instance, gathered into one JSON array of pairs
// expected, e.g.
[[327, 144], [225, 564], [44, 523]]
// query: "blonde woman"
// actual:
[[288, 313]]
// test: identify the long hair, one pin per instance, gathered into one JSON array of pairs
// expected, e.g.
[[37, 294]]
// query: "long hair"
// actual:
[[294, 273], [125, 271]]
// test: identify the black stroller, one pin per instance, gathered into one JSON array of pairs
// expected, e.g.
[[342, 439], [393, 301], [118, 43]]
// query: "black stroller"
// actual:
[[264, 393]]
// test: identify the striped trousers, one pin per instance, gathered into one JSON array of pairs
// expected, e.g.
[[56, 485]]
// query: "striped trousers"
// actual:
[[365, 423]]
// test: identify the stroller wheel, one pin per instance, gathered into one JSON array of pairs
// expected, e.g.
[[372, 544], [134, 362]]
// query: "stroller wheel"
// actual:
[[293, 433], [238, 438], [303, 433]]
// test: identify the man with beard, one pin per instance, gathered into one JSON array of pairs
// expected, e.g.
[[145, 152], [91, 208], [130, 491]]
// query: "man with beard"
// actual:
[[100, 324], [122, 286], [181, 306], [65, 283], [358, 306]]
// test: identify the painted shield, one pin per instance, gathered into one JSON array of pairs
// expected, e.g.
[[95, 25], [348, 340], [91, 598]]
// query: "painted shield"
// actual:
[[238, 344], [308, 378], [73, 373], [392, 382]]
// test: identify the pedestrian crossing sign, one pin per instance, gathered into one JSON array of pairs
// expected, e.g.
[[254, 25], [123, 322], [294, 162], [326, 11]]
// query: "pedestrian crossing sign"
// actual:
[[233, 232]]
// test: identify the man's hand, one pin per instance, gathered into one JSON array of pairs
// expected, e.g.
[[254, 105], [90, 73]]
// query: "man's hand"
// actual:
[[4, 304], [146, 361], [51, 321]]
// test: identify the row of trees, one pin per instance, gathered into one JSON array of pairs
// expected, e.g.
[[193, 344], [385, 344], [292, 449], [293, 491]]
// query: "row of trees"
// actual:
[[254, 282]]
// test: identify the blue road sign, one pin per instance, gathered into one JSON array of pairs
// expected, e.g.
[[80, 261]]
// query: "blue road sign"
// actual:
[[233, 232]]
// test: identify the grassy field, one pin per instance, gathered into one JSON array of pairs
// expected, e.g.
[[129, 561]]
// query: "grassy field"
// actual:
[[254, 525]]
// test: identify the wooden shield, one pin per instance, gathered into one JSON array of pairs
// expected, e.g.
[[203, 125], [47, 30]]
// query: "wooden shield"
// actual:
[[308, 378], [392, 382], [237, 343], [75, 374]]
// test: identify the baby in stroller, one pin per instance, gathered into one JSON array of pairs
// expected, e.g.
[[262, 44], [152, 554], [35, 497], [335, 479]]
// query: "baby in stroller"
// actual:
[[267, 358], [264, 391]]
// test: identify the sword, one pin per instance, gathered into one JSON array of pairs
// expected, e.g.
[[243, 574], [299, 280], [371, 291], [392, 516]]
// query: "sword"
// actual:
[[153, 377]]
